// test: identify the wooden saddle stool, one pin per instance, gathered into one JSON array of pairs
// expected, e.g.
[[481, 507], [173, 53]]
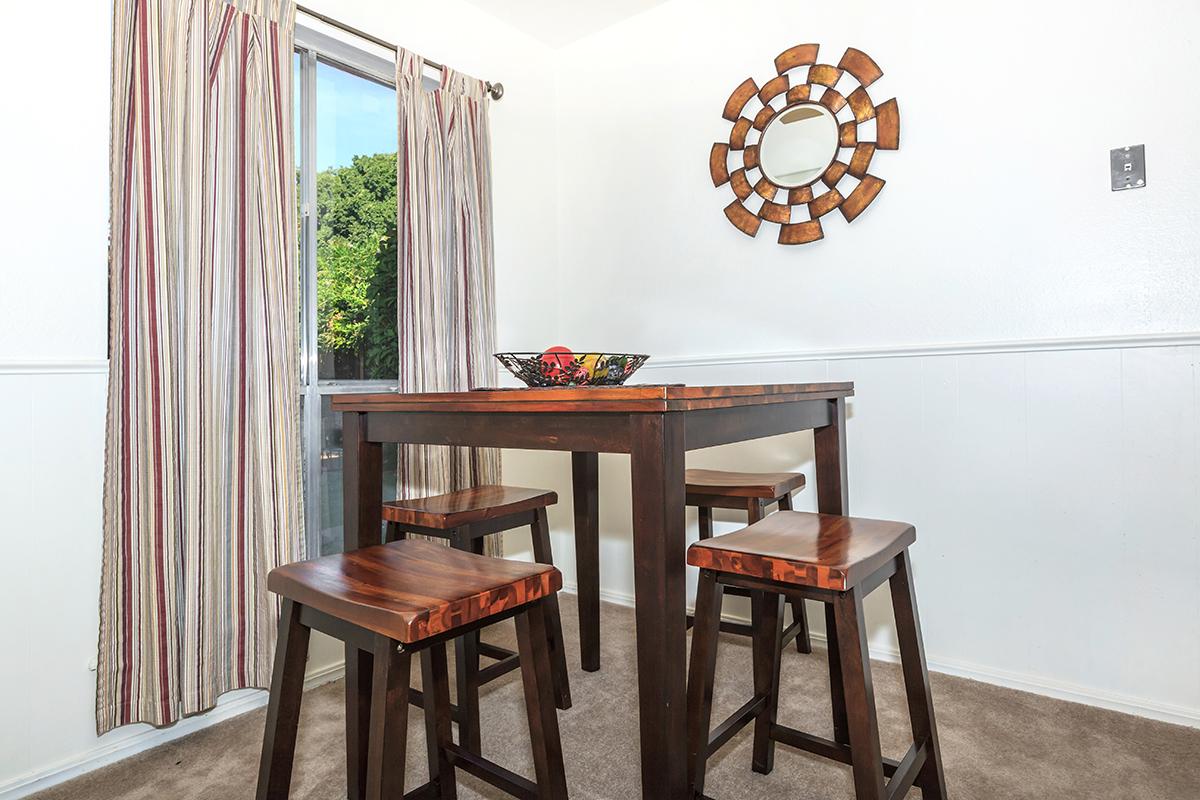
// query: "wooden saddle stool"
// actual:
[[392, 601], [465, 517], [752, 492], [837, 561]]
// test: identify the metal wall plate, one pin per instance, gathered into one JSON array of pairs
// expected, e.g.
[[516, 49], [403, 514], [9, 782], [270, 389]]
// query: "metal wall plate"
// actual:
[[1128, 166]]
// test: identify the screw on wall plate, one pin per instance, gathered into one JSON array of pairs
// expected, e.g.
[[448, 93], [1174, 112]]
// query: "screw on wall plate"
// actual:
[[1128, 167]]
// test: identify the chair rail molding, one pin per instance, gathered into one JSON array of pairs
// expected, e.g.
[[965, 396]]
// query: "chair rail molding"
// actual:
[[923, 350], [97, 366]]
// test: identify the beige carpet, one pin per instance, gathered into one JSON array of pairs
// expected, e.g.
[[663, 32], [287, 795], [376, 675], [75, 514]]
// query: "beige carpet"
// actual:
[[997, 743]]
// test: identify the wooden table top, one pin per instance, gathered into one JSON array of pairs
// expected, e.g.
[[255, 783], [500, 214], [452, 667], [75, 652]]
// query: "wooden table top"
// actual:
[[593, 399]]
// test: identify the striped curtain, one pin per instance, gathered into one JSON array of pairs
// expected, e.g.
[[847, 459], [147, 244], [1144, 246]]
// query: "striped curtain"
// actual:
[[446, 299], [202, 485]]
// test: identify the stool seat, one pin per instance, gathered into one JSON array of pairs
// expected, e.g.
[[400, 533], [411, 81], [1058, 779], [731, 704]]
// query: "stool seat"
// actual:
[[464, 518], [412, 590], [822, 551], [764, 485], [466, 506], [753, 491]]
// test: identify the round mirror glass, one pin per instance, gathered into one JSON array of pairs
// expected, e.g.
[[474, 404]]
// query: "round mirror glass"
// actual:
[[798, 145]]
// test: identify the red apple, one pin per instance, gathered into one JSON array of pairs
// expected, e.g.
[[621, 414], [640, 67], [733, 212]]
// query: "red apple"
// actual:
[[556, 360]]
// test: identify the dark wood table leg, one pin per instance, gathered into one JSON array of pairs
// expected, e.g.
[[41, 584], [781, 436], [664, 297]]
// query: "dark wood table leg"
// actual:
[[833, 498], [833, 493], [657, 467], [585, 475], [362, 520]]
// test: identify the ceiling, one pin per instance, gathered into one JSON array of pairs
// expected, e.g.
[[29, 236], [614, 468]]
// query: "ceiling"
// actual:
[[558, 23]]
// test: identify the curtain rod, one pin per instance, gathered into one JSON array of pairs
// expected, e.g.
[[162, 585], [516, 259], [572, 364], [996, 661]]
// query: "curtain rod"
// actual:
[[496, 90]]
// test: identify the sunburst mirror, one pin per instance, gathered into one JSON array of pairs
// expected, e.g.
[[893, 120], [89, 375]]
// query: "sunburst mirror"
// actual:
[[800, 146]]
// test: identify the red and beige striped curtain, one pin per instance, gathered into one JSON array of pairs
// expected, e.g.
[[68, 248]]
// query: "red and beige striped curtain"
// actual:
[[202, 491], [446, 302]]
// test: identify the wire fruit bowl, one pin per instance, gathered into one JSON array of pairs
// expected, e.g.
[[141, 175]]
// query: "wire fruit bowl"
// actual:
[[560, 367]]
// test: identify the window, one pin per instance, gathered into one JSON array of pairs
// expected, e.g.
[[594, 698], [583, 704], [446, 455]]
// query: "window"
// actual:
[[346, 131]]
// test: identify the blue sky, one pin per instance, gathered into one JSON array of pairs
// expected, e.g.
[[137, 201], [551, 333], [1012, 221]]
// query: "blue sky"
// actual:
[[355, 116]]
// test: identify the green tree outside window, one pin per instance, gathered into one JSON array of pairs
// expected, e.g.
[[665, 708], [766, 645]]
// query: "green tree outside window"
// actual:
[[356, 269]]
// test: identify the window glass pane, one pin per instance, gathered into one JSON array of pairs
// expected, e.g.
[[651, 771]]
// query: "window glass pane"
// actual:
[[296, 109], [356, 226], [331, 477], [302, 267]]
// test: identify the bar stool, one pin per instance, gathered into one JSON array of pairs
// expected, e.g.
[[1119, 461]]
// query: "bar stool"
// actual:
[[834, 560], [465, 517], [392, 601], [753, 492]]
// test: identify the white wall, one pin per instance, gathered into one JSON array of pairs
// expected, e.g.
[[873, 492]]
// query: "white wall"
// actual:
[[996, 223], [53, 329], [1054, 485], [1072, 472]]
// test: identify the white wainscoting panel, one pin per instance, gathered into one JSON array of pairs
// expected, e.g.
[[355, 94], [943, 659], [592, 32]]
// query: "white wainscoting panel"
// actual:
[[51, 480], [1055, 487]]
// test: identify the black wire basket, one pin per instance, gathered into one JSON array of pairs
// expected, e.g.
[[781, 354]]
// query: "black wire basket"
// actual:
[[574, 369]]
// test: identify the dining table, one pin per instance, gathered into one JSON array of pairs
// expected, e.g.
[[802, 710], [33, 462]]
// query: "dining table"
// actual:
[[655, 425]]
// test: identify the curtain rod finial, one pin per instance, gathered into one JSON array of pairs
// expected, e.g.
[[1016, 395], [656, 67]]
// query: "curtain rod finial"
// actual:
[[496, 90]]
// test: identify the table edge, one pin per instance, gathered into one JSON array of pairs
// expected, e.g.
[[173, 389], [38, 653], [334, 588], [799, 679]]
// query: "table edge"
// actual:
[[456, 402]]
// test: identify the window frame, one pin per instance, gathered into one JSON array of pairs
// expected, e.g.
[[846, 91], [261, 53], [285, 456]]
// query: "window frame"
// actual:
[[313, 46]]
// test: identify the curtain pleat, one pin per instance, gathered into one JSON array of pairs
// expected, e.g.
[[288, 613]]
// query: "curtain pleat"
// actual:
[[446, 306], [202, 490]]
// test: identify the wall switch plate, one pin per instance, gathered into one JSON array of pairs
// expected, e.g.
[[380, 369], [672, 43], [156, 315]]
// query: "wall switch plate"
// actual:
[[1128, 166]]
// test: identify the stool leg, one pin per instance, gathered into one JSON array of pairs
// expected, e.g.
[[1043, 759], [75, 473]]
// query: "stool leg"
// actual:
[[283, 710], [359, 666], [539, 703], [701, 676], [706, 522], [930, 780], [394, 533], [767, 620], [558, 654], [387, 739], [706, 532], [837, 695], [799, 612], [862, 726], [466, 662], [436, 683]]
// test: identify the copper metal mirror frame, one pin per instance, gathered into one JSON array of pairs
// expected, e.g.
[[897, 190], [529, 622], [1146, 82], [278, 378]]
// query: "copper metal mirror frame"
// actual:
[[861, 108]]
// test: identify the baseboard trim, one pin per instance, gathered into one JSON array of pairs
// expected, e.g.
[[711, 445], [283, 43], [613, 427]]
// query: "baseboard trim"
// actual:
[[1059, 690], [105, 754], [915, 351]]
